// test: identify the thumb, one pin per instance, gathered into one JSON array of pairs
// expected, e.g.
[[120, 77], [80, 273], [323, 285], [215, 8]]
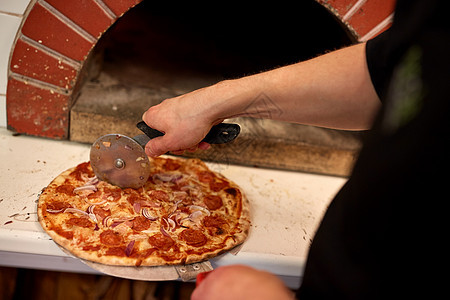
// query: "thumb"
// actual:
[[156, 147]]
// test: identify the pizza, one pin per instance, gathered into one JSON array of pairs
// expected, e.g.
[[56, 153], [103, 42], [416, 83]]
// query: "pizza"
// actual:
[[184, 213]]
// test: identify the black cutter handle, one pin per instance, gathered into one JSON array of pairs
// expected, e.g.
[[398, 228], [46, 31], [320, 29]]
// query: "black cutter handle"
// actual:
[[219, 134]]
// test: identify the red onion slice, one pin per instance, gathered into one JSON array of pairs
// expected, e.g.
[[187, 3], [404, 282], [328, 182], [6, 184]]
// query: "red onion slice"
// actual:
[[195, 215], [90, 209], [137, 207], [116, 223], [92, 181], [175, 207], [199, 208], [172, 224], [106, 220], [76, 210], [178, 217], [129, 248], [89, 187], [164, 177], [146, 214], [164, 232], [93, 217], [166, 223], [54, 211]]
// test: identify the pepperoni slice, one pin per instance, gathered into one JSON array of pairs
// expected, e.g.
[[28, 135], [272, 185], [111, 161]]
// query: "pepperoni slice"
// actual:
[[83, 168], [80, 222], [159, 195], [215, 224], [116, 251], [215, 184], [213, 221], [91, 248], [213, 202], [58, 206], [110, 238], [161, 242], [205, 176], [66, 234], [101, 213], [131, 198], [94, 195], [141, 223], [112, 194], [218, 185], [65, 189], [171, 165], [193, 237]]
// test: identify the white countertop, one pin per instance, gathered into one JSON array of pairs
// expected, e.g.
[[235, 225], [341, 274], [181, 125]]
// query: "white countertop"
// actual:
[[286, 208]]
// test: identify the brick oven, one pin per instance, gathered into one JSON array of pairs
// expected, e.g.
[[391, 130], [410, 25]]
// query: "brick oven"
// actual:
[[73, 70], [62, 83]]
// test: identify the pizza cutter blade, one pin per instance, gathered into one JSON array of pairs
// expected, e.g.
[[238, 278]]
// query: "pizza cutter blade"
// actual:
[[121, 160]]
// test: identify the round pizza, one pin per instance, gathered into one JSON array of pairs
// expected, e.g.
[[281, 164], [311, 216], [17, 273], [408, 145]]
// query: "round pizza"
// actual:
[[184, 213]]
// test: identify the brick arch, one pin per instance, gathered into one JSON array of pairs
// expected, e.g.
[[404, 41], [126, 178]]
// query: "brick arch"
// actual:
[[56, 37], [52, 44], [363, 18]]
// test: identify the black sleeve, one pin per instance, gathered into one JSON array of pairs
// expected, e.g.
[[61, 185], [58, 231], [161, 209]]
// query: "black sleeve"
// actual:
[[378, 63]]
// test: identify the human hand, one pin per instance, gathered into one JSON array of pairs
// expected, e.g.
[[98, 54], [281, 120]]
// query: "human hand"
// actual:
[[241, 282], [184, 120]]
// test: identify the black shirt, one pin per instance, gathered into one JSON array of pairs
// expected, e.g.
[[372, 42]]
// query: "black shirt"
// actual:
[[384, 234]]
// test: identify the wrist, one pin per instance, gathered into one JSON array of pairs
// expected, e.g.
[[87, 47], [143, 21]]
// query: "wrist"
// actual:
[[236, 98]]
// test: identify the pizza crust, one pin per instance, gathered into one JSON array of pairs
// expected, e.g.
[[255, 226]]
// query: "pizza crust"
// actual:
[[197, 181]]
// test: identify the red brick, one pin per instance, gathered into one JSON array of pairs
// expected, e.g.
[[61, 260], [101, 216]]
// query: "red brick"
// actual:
[[35, 111], [32, 62], [86, 14], [340, 6], [119, 7], [370, 15], [43, 27]]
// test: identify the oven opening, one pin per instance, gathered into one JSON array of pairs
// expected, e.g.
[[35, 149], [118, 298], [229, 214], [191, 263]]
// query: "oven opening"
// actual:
[[159, 51]]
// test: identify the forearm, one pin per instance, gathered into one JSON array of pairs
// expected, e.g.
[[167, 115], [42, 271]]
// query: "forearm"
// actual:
[[333, 90]]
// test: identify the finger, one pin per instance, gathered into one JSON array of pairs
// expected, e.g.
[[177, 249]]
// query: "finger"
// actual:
[[145, 116], [192, 149], [156, 147], [201, 277], [177, 152], [202, 288], [204, 146]]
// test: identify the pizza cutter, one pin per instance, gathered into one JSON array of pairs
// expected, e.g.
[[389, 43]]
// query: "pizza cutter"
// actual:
[[121, 160]]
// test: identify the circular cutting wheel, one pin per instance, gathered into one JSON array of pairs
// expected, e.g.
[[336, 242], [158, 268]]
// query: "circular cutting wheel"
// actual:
[[120, 160]]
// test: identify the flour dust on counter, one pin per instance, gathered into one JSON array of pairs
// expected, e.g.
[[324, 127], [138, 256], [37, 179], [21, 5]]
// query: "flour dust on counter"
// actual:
[[28, 165], [286, 208]]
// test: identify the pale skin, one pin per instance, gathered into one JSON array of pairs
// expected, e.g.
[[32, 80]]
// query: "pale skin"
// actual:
[[333, 90], [229, 282]]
